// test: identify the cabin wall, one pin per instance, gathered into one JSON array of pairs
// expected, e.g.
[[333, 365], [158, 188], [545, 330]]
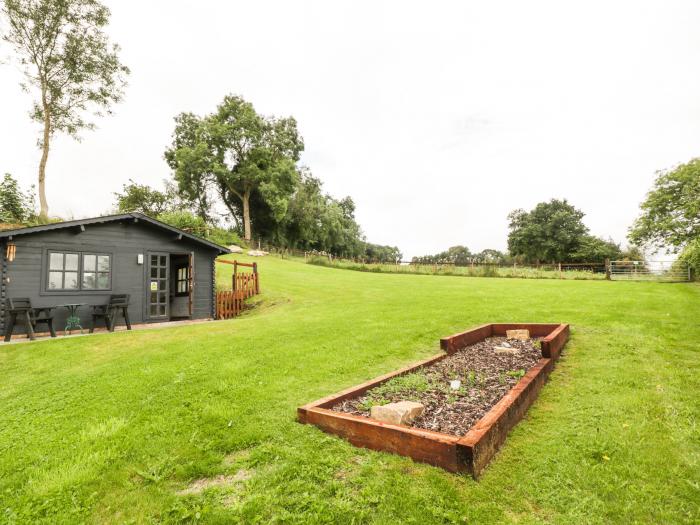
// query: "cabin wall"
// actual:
[[26, 275], [3, 287]]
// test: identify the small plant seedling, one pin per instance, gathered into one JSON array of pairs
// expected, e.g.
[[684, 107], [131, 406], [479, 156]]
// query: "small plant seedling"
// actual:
[[517, 374]]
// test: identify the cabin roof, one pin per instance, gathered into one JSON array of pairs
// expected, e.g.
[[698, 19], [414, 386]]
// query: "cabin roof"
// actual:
[[132, 216]]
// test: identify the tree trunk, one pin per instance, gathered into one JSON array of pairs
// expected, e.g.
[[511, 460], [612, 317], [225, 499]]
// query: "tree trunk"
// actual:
[[44, 211], [246, 215]]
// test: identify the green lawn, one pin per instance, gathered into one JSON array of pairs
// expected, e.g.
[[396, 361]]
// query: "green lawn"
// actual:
[[109, 428]]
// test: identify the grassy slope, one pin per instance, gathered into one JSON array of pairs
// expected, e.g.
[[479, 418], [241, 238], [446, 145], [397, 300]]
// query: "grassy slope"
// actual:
[[108, 428]]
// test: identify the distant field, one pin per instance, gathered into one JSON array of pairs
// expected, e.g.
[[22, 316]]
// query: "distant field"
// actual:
[[518, 272], [115, 428]]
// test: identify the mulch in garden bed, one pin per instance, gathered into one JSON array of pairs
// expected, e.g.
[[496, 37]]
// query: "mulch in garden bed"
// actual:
[[485, 378]]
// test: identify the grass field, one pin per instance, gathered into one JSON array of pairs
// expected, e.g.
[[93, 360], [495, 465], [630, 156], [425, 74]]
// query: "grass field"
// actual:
[[113, 428], [518, 272]]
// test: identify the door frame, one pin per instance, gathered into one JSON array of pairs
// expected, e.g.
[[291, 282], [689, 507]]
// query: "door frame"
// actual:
[[147, 287], [190, 278]]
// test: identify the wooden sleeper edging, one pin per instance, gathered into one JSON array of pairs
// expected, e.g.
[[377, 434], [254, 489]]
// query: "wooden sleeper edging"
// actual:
[[470, 453]]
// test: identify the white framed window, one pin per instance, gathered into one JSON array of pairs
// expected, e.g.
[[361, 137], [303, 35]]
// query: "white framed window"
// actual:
[[75, 271]]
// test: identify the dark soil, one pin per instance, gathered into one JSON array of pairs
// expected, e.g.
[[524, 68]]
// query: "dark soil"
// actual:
[[485, 378]]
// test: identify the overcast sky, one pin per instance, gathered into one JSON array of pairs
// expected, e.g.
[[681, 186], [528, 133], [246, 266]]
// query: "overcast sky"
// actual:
[[438, 118]]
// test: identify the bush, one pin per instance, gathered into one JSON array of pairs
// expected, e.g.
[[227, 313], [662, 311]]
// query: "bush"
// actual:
[[691, 255], [224, 237], [186, 221]]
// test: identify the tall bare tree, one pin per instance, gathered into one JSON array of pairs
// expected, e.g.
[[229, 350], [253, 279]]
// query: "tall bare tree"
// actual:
[[69, 65]]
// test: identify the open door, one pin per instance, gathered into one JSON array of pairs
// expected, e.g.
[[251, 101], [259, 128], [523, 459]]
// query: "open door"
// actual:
[[158, 285]]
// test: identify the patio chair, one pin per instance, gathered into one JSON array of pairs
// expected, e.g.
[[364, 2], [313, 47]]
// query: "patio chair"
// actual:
[[109, 312], [21, 307]]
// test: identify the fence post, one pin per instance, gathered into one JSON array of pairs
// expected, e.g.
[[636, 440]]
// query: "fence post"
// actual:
[[560, 275], [607, 269], [235, 271], [257, 278]]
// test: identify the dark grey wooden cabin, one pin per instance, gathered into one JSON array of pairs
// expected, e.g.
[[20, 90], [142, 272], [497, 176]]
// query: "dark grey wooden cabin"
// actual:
[[168, 273]]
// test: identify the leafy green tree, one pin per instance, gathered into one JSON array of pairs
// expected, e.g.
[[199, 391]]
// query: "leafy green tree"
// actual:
[[144, 199], [457, 255], [490, 256], [239, 153], [632, 253], [16, 206], [317, 221], [382, 253], [68, 62], [670, 215], [552, 231], [595, 249], [691, 255], [185, 220]]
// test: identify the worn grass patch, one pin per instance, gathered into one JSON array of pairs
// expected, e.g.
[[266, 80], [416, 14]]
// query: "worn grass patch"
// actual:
[[109, 428]]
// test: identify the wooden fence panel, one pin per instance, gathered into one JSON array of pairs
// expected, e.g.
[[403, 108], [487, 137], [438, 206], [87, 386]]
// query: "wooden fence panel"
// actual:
[[229, 303]]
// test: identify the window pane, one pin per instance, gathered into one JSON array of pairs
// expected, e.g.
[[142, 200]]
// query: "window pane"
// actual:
[[55, 280], [163, 275], [161, 285], [89, 280], [103, 280], [154, 297], [89, 263], [161, 310], [70, 281], [103, 263], [163, 260], [154, 260], [154, 273], [72, 262], [56, 261], [154, 309]]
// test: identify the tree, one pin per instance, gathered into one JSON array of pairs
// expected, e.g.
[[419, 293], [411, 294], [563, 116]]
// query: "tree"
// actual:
[[314, 221], [595, 249], [670, 215], [490, 256], [691, 256], [185, 220], [15, 205], [240, 153], [552, 231], [68, 61], [144, 199]]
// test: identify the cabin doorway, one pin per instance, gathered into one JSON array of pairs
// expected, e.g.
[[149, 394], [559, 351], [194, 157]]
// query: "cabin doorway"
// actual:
[[181, 286], [158, 266]]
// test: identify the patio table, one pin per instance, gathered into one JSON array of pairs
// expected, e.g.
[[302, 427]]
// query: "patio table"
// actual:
[[73, 320]]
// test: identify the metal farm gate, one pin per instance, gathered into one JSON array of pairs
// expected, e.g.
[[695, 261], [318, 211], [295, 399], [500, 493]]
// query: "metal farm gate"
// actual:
[[666, 271]]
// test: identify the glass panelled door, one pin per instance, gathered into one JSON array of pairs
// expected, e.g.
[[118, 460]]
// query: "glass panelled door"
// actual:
[[158, 272]]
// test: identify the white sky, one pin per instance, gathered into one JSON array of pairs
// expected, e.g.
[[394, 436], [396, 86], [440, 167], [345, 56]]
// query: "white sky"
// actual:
[[438, 118]]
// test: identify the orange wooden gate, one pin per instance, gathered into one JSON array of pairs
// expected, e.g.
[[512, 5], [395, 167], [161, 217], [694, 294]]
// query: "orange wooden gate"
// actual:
[[229, 303]]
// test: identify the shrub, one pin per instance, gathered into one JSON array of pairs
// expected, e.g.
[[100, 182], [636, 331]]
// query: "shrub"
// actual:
[[224, 237], [691, 255]]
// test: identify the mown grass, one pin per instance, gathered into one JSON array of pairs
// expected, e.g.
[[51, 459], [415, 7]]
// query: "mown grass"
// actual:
[[109, 428]]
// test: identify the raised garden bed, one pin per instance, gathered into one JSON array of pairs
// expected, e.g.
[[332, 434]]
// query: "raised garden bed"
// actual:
[[461, 429]]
